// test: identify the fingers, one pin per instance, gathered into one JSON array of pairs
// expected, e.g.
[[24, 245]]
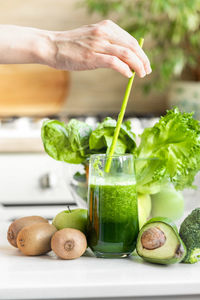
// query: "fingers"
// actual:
[[112, 62], [143, 57], [117, 36], [128, 57], [102, 45]]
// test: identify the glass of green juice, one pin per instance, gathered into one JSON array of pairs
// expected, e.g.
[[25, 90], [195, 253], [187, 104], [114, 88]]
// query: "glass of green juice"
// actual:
[[112, 206]]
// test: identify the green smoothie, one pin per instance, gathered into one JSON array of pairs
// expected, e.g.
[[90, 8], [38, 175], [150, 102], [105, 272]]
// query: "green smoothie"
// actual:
[[113, 219]]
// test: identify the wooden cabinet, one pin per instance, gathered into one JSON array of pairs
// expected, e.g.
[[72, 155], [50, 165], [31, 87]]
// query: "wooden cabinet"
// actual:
[[32, 90]]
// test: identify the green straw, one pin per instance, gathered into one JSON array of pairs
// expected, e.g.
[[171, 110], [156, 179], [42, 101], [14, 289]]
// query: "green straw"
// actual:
[[120, 117]]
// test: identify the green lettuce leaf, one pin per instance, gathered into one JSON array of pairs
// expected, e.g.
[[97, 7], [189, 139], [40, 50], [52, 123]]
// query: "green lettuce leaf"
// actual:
[[175, 144], [101, 138], [69, 143]]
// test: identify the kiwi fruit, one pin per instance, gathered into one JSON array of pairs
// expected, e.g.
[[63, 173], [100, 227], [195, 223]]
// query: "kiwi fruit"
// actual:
[[18, 224], [36, 238], [69, 243]]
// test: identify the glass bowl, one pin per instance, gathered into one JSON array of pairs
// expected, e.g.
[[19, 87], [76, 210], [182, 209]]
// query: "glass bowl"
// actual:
[[75, 178]]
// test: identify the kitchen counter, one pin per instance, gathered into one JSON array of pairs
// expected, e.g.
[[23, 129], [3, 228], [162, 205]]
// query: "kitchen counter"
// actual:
[[47, 277]]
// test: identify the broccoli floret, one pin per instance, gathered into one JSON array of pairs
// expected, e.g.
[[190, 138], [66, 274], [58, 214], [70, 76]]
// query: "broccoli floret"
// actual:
[[190, 234]]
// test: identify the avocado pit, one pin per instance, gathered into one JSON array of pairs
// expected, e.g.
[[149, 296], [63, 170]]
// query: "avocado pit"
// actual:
[[153, 238]]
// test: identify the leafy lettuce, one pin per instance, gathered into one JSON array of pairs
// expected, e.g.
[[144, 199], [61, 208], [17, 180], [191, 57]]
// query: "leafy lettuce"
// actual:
[[101, 138], [75, 141], [169, 151], [69, 143]]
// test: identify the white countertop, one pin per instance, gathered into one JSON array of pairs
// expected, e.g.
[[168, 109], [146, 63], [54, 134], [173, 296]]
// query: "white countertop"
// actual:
[[46, 277]]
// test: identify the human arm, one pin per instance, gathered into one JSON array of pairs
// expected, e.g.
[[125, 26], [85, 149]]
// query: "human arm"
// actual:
[[101, 45]]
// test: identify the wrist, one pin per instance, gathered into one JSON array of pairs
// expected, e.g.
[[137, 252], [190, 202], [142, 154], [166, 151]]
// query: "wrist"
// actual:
[[44, 49]]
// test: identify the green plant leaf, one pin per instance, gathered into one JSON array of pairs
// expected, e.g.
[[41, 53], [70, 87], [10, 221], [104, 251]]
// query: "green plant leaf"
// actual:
[[68, 143], [175, 143], [101, 138]]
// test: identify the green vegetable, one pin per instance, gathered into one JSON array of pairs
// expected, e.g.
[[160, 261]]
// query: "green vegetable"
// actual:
[[159, 242], [168, 203], [172, 149], [190, 234], [69, 143], [144, 208], [146, 175], [75, 141], [168, 152], [101, 138]]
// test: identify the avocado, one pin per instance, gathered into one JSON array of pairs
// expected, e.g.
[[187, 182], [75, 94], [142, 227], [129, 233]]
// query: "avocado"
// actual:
[[159, 242]]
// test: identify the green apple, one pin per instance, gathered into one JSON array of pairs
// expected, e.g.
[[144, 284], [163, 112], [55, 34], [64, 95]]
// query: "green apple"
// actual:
[[75, 218], [144, 208], [142, 217], [168, 203]]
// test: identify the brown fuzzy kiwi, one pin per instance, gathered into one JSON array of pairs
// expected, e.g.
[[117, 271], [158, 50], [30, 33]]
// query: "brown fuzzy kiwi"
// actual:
[[18, 224], [69, 243], [36, 238]]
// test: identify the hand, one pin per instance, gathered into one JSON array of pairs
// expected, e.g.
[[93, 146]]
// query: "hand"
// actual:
[[101, 45]]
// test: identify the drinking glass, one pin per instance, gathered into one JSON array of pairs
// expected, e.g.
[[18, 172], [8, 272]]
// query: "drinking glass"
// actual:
[[112, 206]]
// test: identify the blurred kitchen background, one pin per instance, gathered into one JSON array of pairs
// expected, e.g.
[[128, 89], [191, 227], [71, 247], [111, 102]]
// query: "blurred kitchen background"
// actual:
[[30, 93]]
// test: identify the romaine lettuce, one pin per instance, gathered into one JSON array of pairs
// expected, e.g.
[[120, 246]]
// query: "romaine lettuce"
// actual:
[[175, 142]]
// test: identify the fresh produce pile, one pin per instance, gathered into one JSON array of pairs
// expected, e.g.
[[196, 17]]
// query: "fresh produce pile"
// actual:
[[34, 235], [170, 150], [158, 241], [167, 158]]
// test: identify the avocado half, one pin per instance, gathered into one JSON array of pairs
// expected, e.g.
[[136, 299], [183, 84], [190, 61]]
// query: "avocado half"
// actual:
[[159, 242]]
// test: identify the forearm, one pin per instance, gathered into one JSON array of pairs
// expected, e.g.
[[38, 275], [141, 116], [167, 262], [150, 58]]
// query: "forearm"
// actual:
[[101, 45], [20, 45]]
